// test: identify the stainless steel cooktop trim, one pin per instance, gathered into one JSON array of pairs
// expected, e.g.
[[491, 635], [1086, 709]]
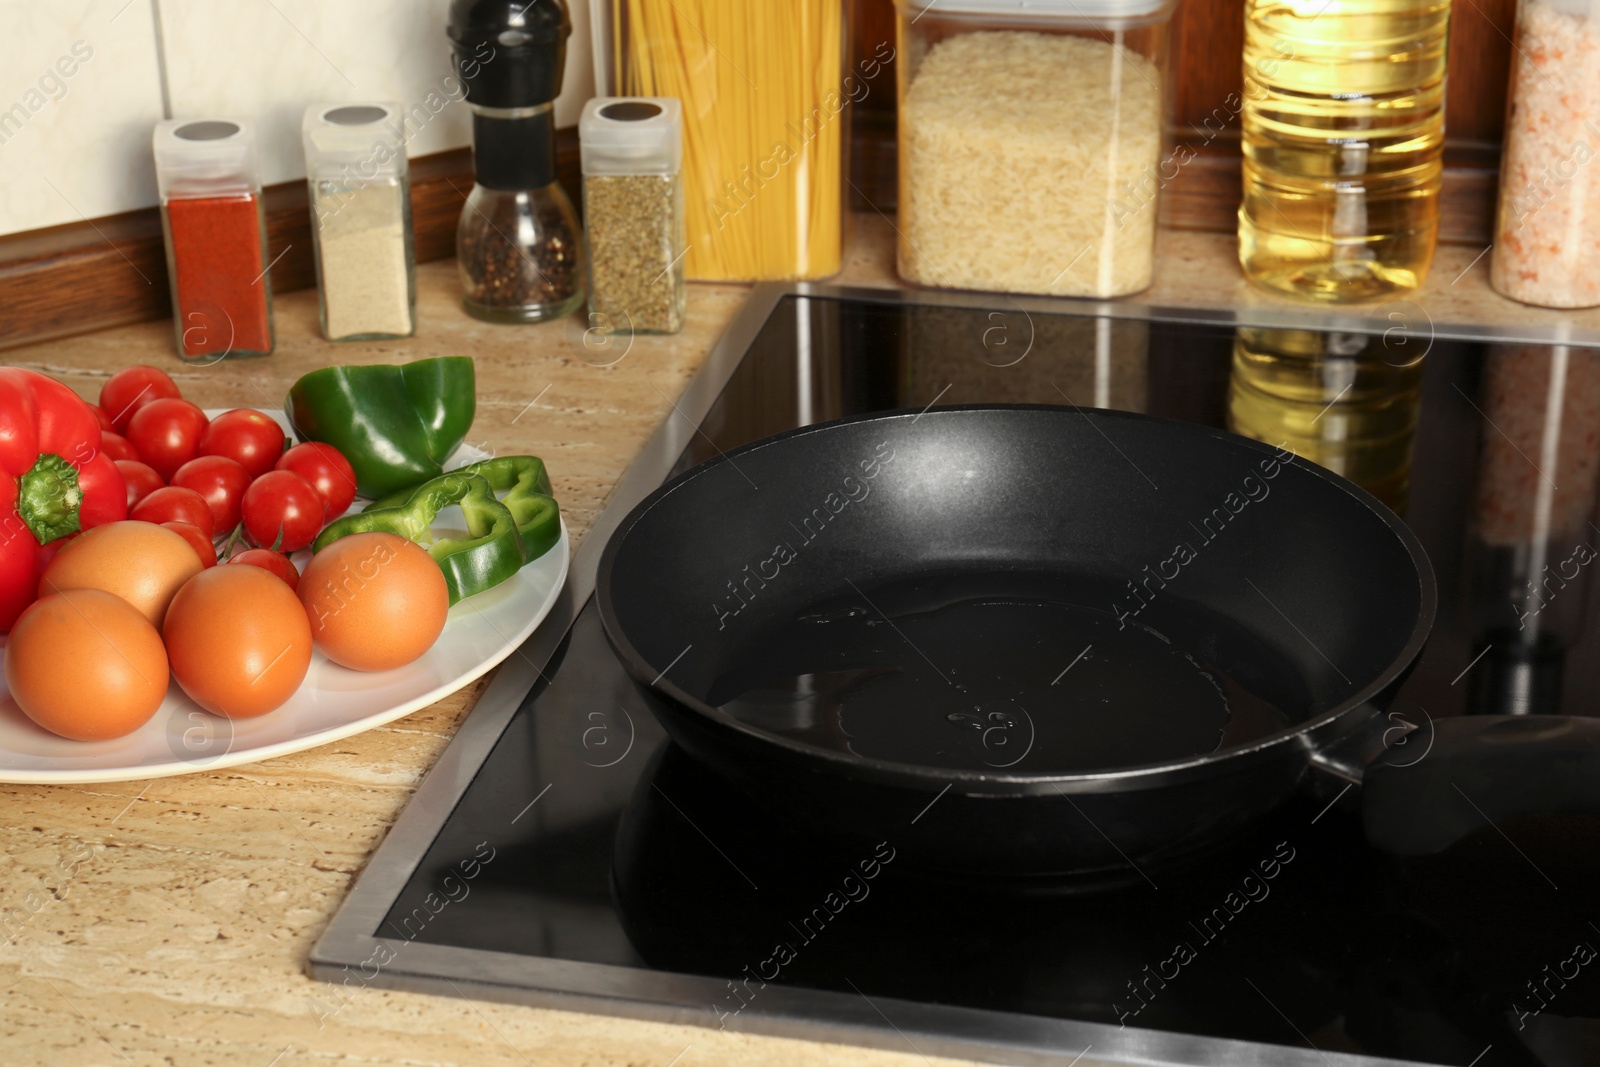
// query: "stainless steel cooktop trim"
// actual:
[[345, 953], [398, 855]]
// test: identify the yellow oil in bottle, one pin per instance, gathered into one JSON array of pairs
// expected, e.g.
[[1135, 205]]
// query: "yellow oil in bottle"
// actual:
[[1347, 401], [1343, 132]]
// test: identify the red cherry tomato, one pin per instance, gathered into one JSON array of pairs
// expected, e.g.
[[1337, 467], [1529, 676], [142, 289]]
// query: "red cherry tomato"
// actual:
[[329, 473], [140, 480], [282, 511], [117, 447], [130, 389], [174, 504], [102, 418], [221, 482], [198, 540], [167, 433], [247, 437], [268, 560]]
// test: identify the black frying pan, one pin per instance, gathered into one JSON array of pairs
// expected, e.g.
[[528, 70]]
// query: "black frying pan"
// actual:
[[1042, 639]]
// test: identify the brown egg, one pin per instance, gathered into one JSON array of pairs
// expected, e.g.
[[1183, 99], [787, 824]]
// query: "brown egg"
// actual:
[[140, 562], [238, 640], [376, 601], [86, 665]]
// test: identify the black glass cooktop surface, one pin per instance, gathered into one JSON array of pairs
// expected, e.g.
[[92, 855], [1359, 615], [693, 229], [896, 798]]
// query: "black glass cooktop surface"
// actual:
[[585, 837]]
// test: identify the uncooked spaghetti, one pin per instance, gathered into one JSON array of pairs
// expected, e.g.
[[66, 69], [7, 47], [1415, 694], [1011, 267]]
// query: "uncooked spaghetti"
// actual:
[[764, 126]]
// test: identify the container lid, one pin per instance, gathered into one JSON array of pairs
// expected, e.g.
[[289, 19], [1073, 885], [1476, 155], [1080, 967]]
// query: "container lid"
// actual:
[[631, 135], [510, 53], [205, 157], [1040, 10], [361, 141]]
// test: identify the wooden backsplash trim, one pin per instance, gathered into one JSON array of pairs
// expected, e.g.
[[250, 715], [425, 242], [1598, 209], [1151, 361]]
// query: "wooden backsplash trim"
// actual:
[[107, 272], [1205, 194], [90, 275]]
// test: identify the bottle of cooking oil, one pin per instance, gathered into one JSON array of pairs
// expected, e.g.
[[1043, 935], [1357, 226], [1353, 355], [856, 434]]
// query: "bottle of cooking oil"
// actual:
[[1343, 126], [1347, 401]]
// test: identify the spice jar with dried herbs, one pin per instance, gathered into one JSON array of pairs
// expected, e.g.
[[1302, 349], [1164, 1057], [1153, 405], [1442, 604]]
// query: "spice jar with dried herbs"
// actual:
[[519, 248], [215, 238], [633, 209], [361, 220]]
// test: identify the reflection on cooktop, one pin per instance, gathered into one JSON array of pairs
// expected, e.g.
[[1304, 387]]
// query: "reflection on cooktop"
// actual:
[[1296, 916], [630, 854]]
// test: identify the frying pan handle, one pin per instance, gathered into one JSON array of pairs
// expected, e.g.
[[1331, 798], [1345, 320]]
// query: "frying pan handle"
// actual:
[[1480, 770]]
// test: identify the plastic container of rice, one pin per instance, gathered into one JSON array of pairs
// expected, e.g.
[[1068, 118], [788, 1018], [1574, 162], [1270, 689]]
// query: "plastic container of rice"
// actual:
[[1031, 143]]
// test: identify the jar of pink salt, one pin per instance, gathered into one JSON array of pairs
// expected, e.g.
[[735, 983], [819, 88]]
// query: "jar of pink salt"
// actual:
[[1547, 231]]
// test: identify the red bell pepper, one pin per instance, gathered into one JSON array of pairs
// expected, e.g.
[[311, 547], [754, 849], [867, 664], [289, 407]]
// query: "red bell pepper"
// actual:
[[54, 480]]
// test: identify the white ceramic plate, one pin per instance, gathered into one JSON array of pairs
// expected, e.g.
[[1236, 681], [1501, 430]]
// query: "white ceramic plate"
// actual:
[[333, 702]]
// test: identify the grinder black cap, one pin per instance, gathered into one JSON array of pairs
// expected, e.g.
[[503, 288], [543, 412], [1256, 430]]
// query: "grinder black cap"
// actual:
[[510, 53]]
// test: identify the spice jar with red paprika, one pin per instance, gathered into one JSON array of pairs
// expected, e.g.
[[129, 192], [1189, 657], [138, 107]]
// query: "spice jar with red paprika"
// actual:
[[216, 238]]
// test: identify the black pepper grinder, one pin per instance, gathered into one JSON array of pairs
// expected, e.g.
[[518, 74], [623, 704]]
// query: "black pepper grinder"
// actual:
[[518, 246]]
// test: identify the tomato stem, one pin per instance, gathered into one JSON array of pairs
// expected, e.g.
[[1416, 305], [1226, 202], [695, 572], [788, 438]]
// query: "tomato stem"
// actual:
[[236, 535]]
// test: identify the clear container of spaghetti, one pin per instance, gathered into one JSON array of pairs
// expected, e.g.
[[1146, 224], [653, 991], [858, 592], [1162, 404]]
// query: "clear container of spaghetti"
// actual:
[[766, 89], [1031, 143], [1546, 246]]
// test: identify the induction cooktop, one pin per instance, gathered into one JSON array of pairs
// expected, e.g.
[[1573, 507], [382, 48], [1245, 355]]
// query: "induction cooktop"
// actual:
[[563, 853]]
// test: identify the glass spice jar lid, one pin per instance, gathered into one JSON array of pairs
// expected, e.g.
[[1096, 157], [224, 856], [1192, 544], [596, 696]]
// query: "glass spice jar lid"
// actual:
[[364, 141], [631, 135], [205, 157]]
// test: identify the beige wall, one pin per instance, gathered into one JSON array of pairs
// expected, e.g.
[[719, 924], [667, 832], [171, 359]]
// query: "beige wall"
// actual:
[[82, 83]]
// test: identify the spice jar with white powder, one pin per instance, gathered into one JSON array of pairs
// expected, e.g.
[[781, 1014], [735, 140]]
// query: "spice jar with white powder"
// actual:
[[1547, 244], [361, 220], [1031, 143]]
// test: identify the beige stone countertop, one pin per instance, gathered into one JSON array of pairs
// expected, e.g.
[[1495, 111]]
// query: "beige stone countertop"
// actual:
[[168, 922]]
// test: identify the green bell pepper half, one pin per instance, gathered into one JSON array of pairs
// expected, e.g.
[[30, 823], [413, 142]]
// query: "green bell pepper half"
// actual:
[[489, 554], [397, 425], [526, 486]]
